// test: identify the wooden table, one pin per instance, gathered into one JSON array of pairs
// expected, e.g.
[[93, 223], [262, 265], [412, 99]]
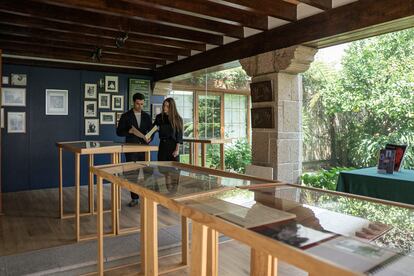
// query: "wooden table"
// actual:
[[210, 219], [193, 152], [91, 148], [163, 183]]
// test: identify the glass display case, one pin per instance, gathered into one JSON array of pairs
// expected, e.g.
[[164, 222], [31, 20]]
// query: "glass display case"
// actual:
[[318, 223]]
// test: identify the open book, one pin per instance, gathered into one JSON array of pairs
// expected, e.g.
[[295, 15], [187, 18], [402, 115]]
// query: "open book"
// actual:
[[151, 132]]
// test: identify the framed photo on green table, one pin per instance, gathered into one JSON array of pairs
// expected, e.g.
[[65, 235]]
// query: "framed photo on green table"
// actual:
[[139, 86]]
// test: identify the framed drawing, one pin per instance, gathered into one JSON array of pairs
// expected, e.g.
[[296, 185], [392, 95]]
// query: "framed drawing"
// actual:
[[16, 122], [139, 86], [56, 102], [2, 118], [91, 91], [18, 79], [155, 110], [91, 126], [261, 91], [111, 84], [117, 103], [13, 96], [104, 100], [89, 109], [107, 118], [262, 117], [5, 80]]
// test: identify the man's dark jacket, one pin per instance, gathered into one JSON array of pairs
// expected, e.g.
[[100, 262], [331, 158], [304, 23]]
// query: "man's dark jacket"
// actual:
[[128, 120]]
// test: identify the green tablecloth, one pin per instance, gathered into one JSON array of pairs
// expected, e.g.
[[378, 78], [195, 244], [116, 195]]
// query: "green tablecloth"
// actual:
[[367, 182]]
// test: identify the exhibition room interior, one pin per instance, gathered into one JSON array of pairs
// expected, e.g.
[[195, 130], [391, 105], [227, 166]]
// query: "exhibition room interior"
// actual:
[[207, 137]]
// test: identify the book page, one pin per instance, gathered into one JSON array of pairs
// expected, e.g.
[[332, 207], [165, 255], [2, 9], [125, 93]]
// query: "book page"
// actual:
[[151, 132]]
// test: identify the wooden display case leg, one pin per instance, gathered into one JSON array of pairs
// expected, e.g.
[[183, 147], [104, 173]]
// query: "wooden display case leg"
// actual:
[[222, 157], [60, 182], [114, 210], [212, 252], [99, 224], [203, 154], [149, 237], [147, 156], [198, 249], [184, 240], [77, 197], [190, 154], [91, 185], [262, 264]]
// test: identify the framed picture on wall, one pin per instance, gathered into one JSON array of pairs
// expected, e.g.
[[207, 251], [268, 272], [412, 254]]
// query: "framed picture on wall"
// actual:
[[5, 80], [111, 84], [16, 122], [261, 91], [156, 109], [139, 86], [262, 117], [13, 96], [56, 102], [91, 91], [104, 100], [107, 118], [18, 79], [117, 103], [89, 109], [91, 126]]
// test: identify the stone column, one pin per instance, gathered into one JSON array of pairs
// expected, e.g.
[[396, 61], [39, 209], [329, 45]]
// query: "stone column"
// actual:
[[281, 147]]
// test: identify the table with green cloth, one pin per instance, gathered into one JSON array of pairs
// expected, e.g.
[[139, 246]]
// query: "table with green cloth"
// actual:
[[397, 187]]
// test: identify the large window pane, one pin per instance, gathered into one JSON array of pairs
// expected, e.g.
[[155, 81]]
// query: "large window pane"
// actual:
[[235, 119]]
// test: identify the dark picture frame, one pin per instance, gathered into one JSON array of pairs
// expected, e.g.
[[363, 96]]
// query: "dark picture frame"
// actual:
[[262, 117], [261, 91]]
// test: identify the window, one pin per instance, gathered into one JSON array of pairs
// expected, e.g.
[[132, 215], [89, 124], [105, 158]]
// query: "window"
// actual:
[[209, 116], [184, 101], [235, 116]]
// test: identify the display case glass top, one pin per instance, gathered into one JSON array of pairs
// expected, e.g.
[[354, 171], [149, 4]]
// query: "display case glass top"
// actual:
[[318, 222], [176, 180]]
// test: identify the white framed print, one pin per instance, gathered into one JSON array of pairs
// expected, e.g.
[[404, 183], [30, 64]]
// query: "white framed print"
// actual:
[[13, 96], [107, 118], [5, 80], [111, 84], [91, 91], [19, 79], [2, 118], [16, 122], [91, 126], [89, 109], [117, 103], [57, 102], [104, 100]]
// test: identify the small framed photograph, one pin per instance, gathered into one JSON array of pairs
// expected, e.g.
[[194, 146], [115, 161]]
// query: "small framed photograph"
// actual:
[[5, 80], [13, 96], [18, 79], [91, 126], [91, 91], [89, 109], [118, 117], [111, 84], [117, 103], [156, 109], [104, 100], [56, 102], [107, 118], [16, 122], [2, 118]]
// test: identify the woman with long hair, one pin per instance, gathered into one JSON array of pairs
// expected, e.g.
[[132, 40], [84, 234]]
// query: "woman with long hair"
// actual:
[[170, 131]]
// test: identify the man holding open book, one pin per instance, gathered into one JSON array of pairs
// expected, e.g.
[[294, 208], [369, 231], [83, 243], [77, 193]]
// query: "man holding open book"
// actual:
[[133, 125]]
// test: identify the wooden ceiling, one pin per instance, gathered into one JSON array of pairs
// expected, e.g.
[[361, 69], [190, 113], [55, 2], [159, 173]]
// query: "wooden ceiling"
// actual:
[[164, 38]]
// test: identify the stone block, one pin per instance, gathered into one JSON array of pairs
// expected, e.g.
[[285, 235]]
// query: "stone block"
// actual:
[[265, 63], [291, 116], [283, 151], [260, 147], [287, 88], [285, 172]]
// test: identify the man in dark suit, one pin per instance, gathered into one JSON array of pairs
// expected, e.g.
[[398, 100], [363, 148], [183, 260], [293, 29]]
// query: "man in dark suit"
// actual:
[[133, 125]]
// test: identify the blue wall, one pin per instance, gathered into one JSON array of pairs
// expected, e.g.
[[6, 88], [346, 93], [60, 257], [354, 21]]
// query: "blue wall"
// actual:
[[29, 160]]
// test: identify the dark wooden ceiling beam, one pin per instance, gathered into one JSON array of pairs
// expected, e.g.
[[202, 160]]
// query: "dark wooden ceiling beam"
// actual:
[[125, 9], [41, 42], [74, 58], [76, 66], [349, 18], [216, 10], [28, 21], [23, 49], [98, 41], [321, 4], [115, 23], [276, 8]]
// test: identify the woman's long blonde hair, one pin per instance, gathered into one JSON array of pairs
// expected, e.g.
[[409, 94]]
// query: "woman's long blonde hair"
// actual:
[[175, 118]]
